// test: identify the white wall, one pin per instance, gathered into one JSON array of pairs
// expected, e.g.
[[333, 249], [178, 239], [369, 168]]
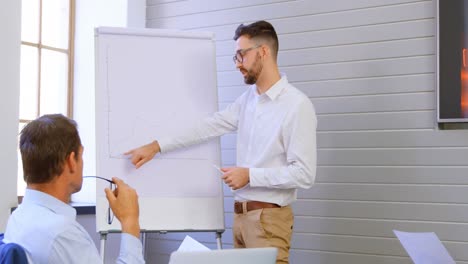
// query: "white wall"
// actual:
[[10, 30], [89, 15], [369, 68]]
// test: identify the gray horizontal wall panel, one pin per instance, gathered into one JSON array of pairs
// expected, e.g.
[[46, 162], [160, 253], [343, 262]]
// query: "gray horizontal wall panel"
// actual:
[[388, 192], [365, 245], [247, 13], [227, 193], [190, 7], [380, 157], [392, 174], [365, 120], [157, 2], [349, 244], [378, 228], [375, 103], [158, 258], [457, 251], [360, 86], [363, 139], [164, 246], [223, 105], [161, 249], [334, 257], [425, 212], [228, 156], [376, 121], [356, 52], [371, 85], [393, 156], [363, 34], [432, 212], [334, 20], [346, 36], [344, 70], [380, 139], [228, 94], [228, 141], [355, 17]]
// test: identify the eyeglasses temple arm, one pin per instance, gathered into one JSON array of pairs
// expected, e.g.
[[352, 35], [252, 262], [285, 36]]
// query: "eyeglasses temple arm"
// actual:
[[102, 178]]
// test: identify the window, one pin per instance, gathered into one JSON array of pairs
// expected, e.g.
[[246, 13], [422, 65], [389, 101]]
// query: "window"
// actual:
[[46, 75]]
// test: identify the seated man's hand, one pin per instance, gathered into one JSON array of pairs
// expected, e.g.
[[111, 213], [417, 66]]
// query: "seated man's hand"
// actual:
[[124, 203]]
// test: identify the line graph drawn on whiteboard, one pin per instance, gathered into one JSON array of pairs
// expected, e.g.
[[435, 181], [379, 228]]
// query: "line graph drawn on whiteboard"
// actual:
[[127, 131], [146, 119], [142, 129]]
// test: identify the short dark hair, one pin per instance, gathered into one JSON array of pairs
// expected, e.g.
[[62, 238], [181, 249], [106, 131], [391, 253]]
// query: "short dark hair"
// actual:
[[261, 30], [45, 144]]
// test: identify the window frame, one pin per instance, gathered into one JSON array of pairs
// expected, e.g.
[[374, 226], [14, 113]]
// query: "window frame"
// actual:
[[69, 52]]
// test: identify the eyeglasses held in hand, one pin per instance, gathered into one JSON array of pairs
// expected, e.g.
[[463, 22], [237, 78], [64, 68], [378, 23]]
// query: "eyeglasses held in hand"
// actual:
[[110, 214]]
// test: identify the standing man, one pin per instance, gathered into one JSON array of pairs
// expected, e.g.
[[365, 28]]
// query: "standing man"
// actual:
[[45, 224], [276, 143]]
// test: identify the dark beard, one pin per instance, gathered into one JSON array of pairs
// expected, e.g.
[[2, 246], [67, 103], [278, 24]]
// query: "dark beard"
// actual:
[[250, 79], [252, 75]]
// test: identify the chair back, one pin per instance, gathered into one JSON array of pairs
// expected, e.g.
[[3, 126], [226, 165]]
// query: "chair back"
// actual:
[[11, 253]]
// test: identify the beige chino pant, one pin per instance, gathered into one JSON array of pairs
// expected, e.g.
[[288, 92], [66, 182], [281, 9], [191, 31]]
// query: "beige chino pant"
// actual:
[[267, 227]]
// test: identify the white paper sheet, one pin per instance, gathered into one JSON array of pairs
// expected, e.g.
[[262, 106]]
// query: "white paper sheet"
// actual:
[[424, 248], [190, 244]]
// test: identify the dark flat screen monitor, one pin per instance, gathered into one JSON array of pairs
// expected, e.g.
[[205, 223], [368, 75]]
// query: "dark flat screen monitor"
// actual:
[[452, 63]]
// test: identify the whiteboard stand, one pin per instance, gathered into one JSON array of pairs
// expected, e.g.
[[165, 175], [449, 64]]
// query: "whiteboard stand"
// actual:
[[103, 245], [218, 239], [143, 238]]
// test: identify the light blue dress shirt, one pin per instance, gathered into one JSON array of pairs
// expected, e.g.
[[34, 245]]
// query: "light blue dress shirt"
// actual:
[[47, 229]]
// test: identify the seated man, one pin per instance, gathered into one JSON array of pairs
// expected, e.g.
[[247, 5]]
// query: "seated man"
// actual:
[[45, 224]]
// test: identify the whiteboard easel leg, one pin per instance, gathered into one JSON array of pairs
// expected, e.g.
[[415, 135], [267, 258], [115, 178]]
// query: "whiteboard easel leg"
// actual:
[[103, 245], [218, 240], [143, 238]]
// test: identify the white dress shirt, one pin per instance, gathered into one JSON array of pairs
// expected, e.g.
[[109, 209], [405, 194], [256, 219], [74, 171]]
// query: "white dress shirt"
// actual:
[[276, 139], [48, 231]]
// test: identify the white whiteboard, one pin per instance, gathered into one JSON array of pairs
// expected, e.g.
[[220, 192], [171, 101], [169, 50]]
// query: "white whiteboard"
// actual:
[[150, 84]]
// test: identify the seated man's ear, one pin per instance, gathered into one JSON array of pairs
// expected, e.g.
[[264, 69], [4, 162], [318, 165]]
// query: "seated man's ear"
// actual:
[[71, 162]]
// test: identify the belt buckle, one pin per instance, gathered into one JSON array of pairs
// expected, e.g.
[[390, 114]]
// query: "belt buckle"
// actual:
[[238, 207]]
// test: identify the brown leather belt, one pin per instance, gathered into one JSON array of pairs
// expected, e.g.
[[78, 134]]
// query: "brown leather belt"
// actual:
[[252, 205]]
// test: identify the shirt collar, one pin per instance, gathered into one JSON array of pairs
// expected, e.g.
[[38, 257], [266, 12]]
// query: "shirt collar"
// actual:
[[276, 89], [49, 202]]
